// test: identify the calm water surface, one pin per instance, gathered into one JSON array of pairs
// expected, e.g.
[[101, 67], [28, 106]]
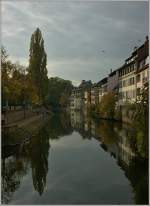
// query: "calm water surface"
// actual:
[[75, 160]]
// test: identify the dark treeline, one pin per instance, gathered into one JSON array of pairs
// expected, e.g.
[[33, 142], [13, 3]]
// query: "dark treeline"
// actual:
[[59, 91], [30, 86]]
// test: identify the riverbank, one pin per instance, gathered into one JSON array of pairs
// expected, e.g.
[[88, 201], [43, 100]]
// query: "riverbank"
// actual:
[[17, 132], [125, 114]]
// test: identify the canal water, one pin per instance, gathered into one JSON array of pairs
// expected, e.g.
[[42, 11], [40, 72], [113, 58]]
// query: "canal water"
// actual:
[[75, 160]]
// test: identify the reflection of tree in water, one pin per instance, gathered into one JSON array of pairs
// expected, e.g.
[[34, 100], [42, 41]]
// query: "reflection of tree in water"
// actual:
[[136, 169], [13, 169], [59, 125], [142, 138], [38, 153], [137, 173], [119, 140], [106, 132], [15, 166]]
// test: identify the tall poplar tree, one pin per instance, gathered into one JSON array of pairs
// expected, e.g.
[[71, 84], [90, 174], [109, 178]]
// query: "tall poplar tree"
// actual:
[[37, 64]]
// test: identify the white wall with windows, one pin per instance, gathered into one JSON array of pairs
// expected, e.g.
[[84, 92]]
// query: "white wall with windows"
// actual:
[[127, 88]]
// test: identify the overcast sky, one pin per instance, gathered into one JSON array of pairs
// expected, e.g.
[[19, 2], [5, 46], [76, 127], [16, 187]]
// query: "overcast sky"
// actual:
[[75, 34]]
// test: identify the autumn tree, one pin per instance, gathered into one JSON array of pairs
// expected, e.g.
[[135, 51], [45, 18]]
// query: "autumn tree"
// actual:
[[107, 105], [37, 64], [17, 86], [6, 69]]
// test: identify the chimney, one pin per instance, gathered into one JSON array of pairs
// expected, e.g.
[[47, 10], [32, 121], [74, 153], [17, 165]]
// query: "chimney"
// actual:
[[146, 38], [135, 48], [110, 71]]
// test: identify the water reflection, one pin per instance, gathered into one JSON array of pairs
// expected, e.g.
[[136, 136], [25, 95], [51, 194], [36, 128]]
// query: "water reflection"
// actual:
[[114, 138], [38, 152], [13, 169], [17, 160], [119, 141]]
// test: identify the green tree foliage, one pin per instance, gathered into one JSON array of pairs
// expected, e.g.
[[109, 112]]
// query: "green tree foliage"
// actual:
[[37, 64], [107, 105], [17, 86], [6, 68], [59, 91], [141, 120]]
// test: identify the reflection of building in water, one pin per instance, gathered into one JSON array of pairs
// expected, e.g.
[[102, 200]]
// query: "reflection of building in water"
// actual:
[[87, 124], [81, 123], [126, 153], [76, 119], [104, 133], [112, 139], [96, 130], [117, 142], [93, 128], [115, 139]]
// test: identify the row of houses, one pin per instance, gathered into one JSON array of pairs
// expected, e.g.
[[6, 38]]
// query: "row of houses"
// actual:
[[126, 81]]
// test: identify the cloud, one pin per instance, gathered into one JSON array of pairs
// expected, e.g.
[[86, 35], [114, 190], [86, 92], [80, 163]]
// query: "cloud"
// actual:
[[75, 33], [22, 60]]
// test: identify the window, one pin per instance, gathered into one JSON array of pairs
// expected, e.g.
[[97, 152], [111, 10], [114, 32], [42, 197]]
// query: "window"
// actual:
[[133, 80], [123, 83], [133, 94], [128, 69], [130, 94], [142, 63], [129, 82], [135, 66], [120, 84], [138, 78]]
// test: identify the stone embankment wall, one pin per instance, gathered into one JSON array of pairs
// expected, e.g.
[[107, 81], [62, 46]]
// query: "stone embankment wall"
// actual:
[[14, 116]]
